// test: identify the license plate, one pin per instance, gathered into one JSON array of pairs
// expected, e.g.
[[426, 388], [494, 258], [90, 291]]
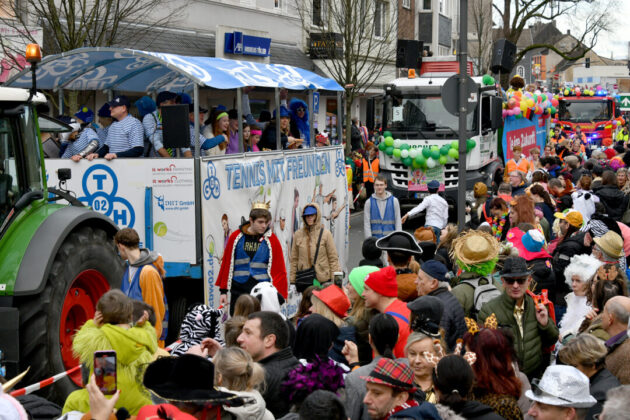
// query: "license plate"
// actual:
[[420, 195]]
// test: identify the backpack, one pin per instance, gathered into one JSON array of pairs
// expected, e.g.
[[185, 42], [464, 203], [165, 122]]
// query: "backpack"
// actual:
[[482, 293]]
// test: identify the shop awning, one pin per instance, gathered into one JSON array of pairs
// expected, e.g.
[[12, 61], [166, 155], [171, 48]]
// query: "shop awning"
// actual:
[[144, 71]]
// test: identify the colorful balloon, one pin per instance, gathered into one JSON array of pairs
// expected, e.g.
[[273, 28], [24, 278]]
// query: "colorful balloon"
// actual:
[[455, 145], [426, 152], [382, 146], [453, 153], [407, 161], [443, 160], [413, 153], [389, 141], [404, 153], [396, 153], [389, 151], [430, 163], [387, 134], [420, 160], [397, 144]]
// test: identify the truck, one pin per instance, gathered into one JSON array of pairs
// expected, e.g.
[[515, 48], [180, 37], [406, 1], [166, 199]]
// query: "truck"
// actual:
[[595, 114], [56, 243], [413, 113]]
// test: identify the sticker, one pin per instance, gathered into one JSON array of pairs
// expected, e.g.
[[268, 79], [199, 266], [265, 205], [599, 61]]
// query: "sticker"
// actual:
[[397, 113]]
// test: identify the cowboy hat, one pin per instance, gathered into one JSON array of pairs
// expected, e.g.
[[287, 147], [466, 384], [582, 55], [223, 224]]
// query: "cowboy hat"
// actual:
[[475, 247], [562, 386], [611, 243]]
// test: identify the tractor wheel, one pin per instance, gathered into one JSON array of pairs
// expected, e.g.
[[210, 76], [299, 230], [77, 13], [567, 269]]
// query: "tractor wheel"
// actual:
[[85, 267], [177, 312]]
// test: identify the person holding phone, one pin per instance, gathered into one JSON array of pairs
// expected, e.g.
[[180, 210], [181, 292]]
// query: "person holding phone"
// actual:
[[530, 323]]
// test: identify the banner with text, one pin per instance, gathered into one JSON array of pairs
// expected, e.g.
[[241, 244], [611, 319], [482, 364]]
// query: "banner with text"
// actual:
[[525, 133], [119, 190], [288, 180]]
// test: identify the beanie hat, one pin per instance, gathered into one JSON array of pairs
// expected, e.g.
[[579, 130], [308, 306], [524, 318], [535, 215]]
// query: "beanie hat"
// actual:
[[383, 282], [357, 277], [434, 269], [533, 240], [104, 111], [85, 114], [145, 105]]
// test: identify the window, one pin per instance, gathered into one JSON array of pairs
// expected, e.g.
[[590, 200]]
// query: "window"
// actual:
[[426, 4], [520, 70], [406, 4], [277, 4], [319, 12], [443, 7], [380, 10]]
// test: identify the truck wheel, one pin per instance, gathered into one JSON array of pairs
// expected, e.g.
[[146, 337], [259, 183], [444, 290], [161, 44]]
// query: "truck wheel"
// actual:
[[177, 312], [85, 266]]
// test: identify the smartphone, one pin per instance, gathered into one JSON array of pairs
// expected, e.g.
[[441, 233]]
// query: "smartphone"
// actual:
[[105, 371], [338, 278]]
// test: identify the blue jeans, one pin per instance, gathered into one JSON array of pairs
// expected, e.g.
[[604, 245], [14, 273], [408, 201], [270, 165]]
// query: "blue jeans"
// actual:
[[437, 232]]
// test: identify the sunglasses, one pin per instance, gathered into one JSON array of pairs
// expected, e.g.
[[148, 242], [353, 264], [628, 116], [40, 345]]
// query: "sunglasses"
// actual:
[[538, 391], [512, 280], [300, 110]]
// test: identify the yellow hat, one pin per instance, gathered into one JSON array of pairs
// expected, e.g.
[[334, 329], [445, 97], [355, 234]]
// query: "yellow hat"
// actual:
[[574, 217]]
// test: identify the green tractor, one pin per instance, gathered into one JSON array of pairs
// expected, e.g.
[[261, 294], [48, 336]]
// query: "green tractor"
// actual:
[[57, 260]]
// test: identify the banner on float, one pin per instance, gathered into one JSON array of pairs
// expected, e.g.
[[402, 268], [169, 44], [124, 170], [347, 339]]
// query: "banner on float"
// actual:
[[288, 180], [118, 189], [525, 133]]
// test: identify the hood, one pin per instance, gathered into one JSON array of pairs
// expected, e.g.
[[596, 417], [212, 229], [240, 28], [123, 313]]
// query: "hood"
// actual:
[[244, 226], [294, 105], [255, 409], [150, 257], [318, 218], [133, 345], [387, 195]]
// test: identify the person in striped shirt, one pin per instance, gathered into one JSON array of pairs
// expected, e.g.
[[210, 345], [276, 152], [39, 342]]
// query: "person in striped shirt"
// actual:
[[152, 124], [83, 141], [125, 137]]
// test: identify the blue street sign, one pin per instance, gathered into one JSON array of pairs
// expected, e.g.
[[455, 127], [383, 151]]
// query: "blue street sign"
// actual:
[[316, 102]]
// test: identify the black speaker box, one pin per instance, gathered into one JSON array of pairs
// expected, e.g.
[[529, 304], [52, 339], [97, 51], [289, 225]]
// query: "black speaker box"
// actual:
[[408, 53], [175, 126], [503, 55]]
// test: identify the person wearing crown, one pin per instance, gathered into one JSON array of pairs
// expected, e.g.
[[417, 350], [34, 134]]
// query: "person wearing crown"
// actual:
[[252, 254]]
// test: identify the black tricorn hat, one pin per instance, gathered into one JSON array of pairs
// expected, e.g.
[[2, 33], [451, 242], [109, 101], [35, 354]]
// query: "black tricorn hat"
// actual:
[[188, 378], [400, 241]]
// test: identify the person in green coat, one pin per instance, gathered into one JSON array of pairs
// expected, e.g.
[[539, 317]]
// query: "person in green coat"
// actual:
[[529, 322]]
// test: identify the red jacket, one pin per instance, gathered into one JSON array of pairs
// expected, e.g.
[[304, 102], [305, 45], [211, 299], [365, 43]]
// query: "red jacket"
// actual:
[[398, 309], [277, 269]]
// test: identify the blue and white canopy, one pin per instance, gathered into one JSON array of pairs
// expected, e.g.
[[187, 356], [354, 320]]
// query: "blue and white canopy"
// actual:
[[143, 71]]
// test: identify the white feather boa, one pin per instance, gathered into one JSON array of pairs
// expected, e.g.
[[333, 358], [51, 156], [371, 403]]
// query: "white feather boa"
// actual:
[[577, 308]]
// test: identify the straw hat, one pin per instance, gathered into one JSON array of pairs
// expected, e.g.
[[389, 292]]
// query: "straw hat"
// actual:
[[611, 243], [475, 247]]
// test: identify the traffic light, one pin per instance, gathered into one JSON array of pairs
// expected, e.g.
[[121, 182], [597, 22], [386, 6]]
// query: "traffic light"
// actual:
[[587, 62]]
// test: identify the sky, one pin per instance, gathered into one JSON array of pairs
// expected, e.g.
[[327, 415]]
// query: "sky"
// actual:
[[615, 42]]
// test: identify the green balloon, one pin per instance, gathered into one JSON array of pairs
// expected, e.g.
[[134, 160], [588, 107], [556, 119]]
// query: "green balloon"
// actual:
[[396, 153], [416, 165], [407, 161], [470, 144], [387, 134], [455, 145], [420, 160], [389, 141], [443, 159], [426, 152], [444, 150], [382, 146], [435, 154], [435, 148], [405, 146], [453, 153], [389, 151]]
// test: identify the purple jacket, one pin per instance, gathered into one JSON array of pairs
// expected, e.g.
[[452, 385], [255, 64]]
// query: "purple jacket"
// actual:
[[233, 146]]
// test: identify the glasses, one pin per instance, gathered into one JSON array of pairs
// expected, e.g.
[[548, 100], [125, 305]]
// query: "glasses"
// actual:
[[300, 110], [511, 280], [538, 391]]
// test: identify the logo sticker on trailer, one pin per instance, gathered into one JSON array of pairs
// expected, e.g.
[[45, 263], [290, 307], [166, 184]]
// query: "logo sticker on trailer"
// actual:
[[100, 186]]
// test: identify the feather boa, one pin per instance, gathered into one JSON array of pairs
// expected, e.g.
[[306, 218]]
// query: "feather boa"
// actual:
[[577, 308]]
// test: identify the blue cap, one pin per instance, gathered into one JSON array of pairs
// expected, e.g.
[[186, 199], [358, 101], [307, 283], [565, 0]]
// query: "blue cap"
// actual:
[[434, 269], [284, 112], [85, 114], [119, 101], [145, 105], [433, 185], [184, 98], [309, 210], [104, 111]]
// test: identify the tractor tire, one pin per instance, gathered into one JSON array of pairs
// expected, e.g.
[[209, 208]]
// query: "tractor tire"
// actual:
[[177, 312], [84, 268]]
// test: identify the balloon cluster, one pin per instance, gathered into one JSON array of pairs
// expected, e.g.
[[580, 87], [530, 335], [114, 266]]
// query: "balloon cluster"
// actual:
[[488, 80], [577, 91], [427, 157], [524, 104]]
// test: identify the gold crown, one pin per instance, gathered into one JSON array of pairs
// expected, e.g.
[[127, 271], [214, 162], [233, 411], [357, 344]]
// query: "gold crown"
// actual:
[[261, 205]]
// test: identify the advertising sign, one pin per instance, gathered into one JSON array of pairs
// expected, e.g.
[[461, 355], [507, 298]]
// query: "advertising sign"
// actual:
[[525, 133], [288, 181], [122, 188], [419, 179], [239, 43]]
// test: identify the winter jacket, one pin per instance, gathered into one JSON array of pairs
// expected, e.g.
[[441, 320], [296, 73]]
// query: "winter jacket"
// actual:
[[618, 359], [474, 410], [613, 199], [566, 249], [304, 248], [423, 411], [502, 404], [268, 138], [464, 292], [600, 383], [535, 336], [452, 317], [277, 367], [520, 190], [134, 350], [254, 411]]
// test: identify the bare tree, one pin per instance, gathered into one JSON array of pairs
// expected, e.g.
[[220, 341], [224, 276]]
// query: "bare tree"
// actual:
[[591, 18], [480, 13], [71, 24], [366, 28]]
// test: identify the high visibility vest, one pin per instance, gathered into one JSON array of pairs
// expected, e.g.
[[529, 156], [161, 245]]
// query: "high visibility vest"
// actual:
[[382, 225], [370, 170], [511, 166]]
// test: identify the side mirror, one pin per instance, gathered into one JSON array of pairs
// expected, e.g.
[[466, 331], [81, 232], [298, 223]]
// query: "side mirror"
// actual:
[[497, 113]]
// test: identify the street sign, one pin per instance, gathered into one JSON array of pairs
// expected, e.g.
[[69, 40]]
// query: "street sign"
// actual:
[[315, 102], [450, 94], [624, 101]]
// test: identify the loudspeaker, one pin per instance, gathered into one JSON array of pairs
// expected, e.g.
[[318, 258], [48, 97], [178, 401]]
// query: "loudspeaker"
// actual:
[[175, 126], [503, 55], [408, 53]]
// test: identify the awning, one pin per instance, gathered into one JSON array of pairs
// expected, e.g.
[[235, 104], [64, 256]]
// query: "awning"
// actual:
[[143, 71]]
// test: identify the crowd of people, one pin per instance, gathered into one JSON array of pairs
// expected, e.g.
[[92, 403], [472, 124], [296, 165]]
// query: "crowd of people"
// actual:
[[122, 129]]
